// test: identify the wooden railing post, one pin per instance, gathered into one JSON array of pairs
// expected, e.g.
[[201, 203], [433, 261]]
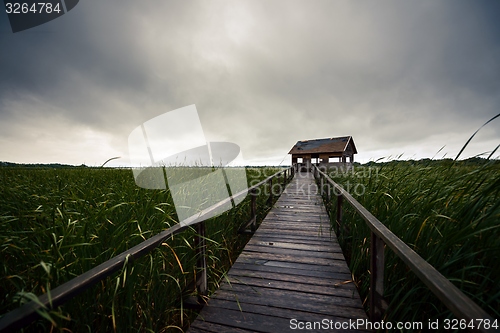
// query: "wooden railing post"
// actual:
[[201, 263], [376, 297], [327, 191], [253, 209], [340, 199], [270, 199]]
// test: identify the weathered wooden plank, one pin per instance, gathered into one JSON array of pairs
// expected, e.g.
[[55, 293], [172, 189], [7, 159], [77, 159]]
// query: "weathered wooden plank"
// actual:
[[294, 241], [292, 245], [313, 211], [292, 271], [312, 233], [340, 267], [281, 312], [300, 239], [321, 229], [299, 203], [292, 205], [307, 225], [298, 219], [315, 303], [200, 326], [290, 230], [247, 255], [296, 206], [239, 319], [310, 279], [342, 290], [298, 223], [312, 253], [290, 217]]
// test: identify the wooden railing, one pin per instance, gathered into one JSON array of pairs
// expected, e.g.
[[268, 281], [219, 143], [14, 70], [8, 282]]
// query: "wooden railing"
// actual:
[[452, 297], [24, 315]]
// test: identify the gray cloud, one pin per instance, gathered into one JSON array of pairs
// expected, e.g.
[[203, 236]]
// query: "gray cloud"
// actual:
[[398, 76]]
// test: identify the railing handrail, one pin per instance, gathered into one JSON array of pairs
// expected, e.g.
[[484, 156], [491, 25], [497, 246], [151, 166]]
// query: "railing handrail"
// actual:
[[25, 314], [453, 298]]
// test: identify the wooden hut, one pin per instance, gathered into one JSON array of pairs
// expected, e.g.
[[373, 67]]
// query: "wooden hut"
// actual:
[[329, 151]]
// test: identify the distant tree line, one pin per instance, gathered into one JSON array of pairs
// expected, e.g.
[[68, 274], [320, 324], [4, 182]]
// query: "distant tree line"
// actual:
[[40, 165]]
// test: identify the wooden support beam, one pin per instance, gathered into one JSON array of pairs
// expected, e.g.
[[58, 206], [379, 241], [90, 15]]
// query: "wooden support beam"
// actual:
[[253, 209], [270, 199], [376, 297], [340, 199], [201, 263]]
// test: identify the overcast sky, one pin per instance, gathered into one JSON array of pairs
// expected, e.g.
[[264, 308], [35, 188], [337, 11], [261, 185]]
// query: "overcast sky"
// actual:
[[400, 77]]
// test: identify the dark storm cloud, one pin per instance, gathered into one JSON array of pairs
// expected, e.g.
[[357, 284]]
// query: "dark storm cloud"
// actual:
[[67, 62], [263, 74]]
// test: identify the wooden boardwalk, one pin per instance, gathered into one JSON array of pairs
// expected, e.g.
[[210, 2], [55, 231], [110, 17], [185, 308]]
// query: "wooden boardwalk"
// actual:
[[291, 275]]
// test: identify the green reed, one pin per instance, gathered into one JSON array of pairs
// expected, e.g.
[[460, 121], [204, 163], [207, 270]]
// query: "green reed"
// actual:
[[448, 212]]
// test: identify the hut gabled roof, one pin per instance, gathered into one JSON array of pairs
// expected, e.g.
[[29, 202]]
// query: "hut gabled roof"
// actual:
[[328, 145]]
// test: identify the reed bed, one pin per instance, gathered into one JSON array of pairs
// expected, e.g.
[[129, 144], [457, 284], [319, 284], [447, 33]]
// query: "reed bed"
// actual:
[[447, 211], [58, 223]]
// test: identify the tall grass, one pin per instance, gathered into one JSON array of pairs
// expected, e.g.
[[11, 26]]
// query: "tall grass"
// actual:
[[58, 223], [448, 212]]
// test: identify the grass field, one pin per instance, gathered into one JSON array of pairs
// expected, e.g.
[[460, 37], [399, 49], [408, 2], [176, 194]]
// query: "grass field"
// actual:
[[448, 212], [56, 223]]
